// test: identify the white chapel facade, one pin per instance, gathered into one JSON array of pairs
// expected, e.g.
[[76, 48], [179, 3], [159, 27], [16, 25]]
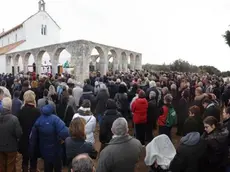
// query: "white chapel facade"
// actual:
[[36, 31]]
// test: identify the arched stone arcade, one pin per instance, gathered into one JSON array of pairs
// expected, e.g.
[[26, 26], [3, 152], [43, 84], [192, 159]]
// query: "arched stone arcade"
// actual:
[[81, 58]]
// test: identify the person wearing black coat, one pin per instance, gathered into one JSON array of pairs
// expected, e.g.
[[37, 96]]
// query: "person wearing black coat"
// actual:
[[101, 99], [152, 116], [210, 109], [27, 116], [65, 111], [76, 144], [111, 114], [226, 124], [194, 122], [190, 153], [216, 138], [182, 111], [88, 94]]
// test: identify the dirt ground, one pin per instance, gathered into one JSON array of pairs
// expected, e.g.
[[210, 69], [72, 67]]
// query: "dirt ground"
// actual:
[[140, 166]]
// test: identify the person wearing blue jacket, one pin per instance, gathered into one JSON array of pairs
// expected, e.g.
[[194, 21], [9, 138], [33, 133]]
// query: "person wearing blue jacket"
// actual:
[[47, 135]]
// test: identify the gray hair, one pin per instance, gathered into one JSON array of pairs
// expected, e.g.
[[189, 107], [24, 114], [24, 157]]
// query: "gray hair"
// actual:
[[120, 127], [173, 87], [165, 90], [82, 163], [152, 94]]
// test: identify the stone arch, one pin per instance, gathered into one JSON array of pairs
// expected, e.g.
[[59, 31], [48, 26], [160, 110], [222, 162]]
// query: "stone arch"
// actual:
[[43, 64], [112, 64], [29, 62], [61, 57], [138, 62], [16, 67], [97, 56]]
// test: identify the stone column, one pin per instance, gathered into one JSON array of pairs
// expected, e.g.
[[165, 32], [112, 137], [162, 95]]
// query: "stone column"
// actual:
[[104, 63], [38, 63], [8, 65], [25, 65], [132, 63], [125, 66], [115, 66], [119, 62], [15, 65], [54, 62], [80, 59], [138, 62]]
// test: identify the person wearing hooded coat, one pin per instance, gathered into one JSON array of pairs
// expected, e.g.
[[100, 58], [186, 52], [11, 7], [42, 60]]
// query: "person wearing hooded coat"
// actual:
[[111, 114], [190, 153], [48, 133]]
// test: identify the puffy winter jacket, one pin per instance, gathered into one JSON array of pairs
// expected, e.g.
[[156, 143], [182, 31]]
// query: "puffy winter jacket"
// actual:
[[48, 130], [139, 109]]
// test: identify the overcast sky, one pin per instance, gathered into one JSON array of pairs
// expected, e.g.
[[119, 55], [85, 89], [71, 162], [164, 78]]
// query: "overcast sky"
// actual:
[[162, 30]]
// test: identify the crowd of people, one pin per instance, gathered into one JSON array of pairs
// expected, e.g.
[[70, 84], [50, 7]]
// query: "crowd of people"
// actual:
[[55, 118]]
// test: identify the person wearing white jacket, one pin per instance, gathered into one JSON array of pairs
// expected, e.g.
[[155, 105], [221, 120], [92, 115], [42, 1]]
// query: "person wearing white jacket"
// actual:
[[85, 113]]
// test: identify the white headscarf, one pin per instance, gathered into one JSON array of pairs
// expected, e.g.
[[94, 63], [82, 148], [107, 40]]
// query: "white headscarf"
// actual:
[[161, 151]]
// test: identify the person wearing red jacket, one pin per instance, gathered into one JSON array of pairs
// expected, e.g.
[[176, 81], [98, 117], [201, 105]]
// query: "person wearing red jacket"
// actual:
[[163, 128], [139, 110]]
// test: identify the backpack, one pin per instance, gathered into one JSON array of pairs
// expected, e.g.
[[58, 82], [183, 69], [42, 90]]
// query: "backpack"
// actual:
[[171, 117]]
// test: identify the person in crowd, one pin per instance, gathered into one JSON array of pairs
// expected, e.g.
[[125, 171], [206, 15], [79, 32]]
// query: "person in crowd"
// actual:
[[16, 103], [152, 115], [101, 99], [194, 121], [139, 110], [42, 101], [1, 97], [111, 114], [132, 92], [99, 85], [51, 132], [71, 101], [77, 93], [162, 119], [199, 97], [210, 109], [159, 153], [65, 111], [6, 92], [25, 87], [121, 99], [182, 111], [85, 112], [88, 94], [82, 163], [112, 89], [217, 145], [122, 152], [10, 132], [152, 87], [52, 95], [88, 86], [226, 124], [190, 153], [76, 144], [27, 116]]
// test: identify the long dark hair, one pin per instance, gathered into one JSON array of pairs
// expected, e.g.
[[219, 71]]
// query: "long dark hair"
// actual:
[[210, 120]]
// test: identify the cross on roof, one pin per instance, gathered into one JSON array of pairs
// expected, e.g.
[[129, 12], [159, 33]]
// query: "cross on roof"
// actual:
[[42, 5]]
